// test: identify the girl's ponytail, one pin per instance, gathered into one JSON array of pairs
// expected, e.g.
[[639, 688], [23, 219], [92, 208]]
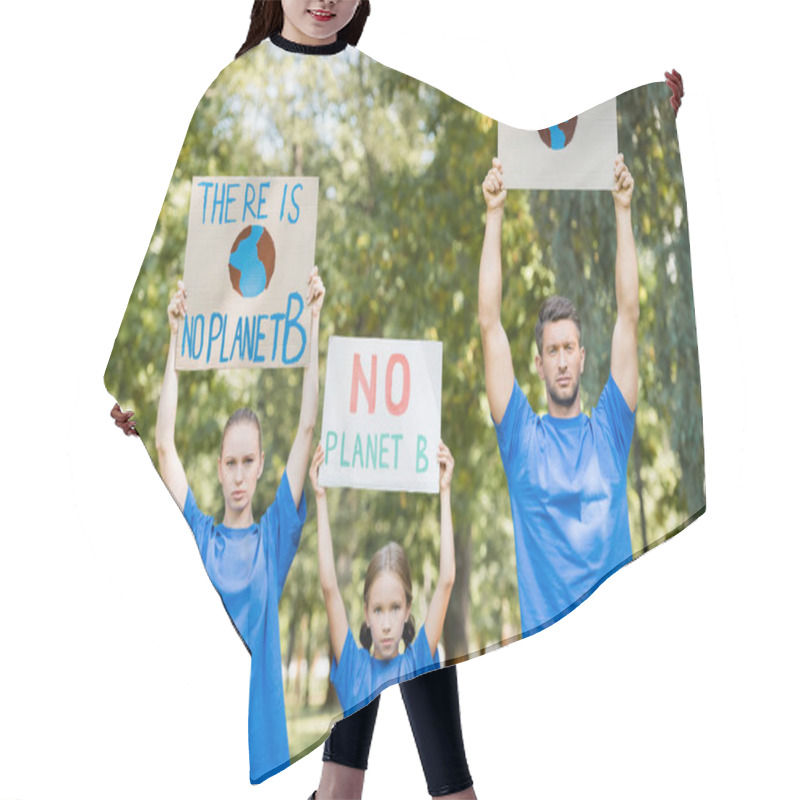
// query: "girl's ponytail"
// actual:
[[365, 636], [409, 631]]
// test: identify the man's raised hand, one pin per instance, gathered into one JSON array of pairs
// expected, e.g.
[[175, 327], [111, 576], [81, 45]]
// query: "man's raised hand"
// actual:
[[623, 183], [494, 192]]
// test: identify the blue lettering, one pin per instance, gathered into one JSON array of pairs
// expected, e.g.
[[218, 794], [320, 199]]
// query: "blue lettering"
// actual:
[[262, 199], [249, 197], [237, 337], [294, 203], [342, 462], [328, 445], [398, 437], [372, 450], [291, 322], [212, 334], [422, 458], [283, 200], [219, 202], [206, 186], [259, 337], [384, 450], [277, 318], [222, 359], [229, 201], [357, 451], [196, 352]]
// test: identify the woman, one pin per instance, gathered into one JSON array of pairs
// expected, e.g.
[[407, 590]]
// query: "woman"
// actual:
[[246, 559]]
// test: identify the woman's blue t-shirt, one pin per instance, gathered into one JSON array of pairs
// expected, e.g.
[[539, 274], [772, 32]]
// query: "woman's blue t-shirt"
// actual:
[[248, 567]]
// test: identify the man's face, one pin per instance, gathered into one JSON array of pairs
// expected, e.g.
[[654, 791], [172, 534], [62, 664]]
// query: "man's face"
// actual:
[[560, 365]]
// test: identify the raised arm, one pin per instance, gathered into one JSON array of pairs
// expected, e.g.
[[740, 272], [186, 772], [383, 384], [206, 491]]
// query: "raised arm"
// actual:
[[624, 343], [169, 463], [337, 616], [434, 621], [301, 448], [498, 367]]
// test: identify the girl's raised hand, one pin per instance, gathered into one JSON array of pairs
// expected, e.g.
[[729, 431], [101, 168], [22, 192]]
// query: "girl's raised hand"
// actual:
[[313, 473], [316, 292], [446, 465], [176, 310]]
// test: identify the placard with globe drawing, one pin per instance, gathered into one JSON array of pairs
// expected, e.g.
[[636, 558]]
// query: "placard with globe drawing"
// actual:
[[571, 155], [250, 248]]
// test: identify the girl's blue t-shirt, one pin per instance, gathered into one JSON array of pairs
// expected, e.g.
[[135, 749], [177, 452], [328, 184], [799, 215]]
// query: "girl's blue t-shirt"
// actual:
[[248, 567], [359, 677]]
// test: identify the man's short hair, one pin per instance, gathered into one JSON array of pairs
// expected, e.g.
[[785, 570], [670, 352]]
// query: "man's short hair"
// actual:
[[553, 309]]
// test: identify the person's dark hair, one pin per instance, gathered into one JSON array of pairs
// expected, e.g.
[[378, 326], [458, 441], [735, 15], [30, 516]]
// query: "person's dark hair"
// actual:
[[266, 19], [556, 308], [390, 558], [243, 415]]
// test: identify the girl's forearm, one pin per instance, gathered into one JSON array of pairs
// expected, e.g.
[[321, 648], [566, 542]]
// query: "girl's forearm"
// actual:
[[447, 555], [327, 568]]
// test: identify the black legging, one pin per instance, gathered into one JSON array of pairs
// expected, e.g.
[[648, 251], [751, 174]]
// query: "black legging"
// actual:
[[433, 711]]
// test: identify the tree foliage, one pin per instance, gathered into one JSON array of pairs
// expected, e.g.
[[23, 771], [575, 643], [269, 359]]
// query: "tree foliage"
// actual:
[[399, 237]]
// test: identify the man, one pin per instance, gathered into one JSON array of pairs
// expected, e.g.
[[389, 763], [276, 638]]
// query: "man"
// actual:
[[566, 471]]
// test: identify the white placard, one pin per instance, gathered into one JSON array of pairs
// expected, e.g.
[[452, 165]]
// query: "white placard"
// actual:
[[382, 414], [576, 154]]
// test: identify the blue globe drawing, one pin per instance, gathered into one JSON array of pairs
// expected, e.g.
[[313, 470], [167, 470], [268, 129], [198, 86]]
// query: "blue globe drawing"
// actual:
[[252, 261]]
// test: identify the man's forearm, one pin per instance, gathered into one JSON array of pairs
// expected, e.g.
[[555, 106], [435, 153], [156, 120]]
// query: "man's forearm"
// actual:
[[490, 279], [627, 269]]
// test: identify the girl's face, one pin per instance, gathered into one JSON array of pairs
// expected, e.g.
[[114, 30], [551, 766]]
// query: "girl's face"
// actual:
[[386, 612], [240, 466], [315, 22]]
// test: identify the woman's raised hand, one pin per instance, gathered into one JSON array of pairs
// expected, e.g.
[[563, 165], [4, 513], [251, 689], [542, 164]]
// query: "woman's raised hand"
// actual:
[[316, 292], [176, 310]]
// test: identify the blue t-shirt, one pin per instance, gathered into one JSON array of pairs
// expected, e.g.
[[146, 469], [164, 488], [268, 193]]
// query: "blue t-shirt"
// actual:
[[567, 480], [358, 677], [248, 567]]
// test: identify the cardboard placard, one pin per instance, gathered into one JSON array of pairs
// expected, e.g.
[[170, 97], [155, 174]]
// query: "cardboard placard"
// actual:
[[249, 251]]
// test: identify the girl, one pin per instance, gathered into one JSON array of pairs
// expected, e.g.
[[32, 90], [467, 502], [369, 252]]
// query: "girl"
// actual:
[[432, 701], [248, 560]]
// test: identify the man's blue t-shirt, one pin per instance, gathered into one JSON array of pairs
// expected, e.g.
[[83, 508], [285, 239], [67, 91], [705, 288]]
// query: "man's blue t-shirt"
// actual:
[[568, 489], [358, 677], [248, 567]]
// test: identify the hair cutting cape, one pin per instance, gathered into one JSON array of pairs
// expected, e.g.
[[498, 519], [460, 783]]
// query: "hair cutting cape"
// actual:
[[542, 514]]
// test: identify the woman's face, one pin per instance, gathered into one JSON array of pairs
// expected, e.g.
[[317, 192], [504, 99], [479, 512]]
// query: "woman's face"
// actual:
[[239, 466], [315, 22], [386, 611]]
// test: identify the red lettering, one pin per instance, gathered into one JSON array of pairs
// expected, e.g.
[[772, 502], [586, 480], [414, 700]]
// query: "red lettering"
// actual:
[[398, 408], [359, 379]]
